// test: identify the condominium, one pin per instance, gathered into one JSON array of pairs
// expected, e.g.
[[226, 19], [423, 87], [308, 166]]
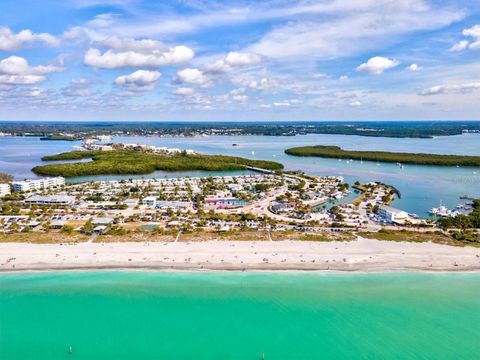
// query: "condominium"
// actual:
[[36, 184], [4, 189]]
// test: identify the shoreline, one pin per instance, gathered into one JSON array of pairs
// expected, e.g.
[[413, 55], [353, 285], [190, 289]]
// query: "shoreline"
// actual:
[[362, 255]]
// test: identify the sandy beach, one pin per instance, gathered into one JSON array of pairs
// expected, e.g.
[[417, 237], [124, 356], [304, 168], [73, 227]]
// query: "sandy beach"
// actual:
[[360, 255]]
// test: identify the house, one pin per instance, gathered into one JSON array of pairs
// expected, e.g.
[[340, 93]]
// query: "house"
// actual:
[[150, 201], [58, 224], [102, 221], [131, 203], [4, 189], [235, 187], [224, 202], [100, 229], [176, 205], [279, 207], [391, 214]]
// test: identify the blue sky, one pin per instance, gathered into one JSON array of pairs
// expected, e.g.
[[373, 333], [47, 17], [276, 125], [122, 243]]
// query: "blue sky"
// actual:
[[239, 60]]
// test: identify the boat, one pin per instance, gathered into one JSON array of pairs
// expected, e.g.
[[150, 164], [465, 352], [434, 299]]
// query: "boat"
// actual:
[[443, 211], [234, 144]]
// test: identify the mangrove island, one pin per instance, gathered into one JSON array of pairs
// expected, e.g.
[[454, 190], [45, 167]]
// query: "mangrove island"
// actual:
[[383, 156], [123, 162]]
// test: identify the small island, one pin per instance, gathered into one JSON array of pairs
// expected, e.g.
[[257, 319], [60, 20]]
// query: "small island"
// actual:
[[383, 156], [125, 162]]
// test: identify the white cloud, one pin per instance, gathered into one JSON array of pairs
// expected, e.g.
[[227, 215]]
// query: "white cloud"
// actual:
[[129, 44], [191, 76], [320, 75], [103, 20], [240, 98], [377, 65], [263, 84], [282, 104], [473, 32], [11, 41], [355, 103], [343, 78], [237, 91], [78, 88], [234, 58], [458, 88], [232, 61], [459, 46], [184, 91], [140, 80], [414, 67], [350, 28], [15, 70], [21, 79], [112, 59]]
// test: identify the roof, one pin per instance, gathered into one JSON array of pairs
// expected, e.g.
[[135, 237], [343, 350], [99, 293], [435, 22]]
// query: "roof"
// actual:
[[51, 198], [58, 223], [102, 220], [390, 209]]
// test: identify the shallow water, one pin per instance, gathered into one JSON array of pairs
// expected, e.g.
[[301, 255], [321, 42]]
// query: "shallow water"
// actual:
[[217, 315]]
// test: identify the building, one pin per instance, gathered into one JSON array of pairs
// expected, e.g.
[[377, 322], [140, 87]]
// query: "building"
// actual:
[[173, 205], [149, 201], [224, 202], [50, 200], [4, 189], [37, 184], [391, 214]]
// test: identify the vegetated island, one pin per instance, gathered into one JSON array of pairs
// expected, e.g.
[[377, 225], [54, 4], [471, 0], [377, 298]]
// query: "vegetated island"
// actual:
[[383, 156], [121, 162]]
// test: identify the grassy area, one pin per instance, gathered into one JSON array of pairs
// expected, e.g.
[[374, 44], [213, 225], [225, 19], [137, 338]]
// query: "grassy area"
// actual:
[[300, 236], [436, 237], [135, 162], [383, 156], [43, 238]]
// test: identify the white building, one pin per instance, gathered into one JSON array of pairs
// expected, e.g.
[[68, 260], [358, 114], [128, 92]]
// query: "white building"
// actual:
[[150, 201], [50, 200], [37, 184], [4, 189], [392, 214]]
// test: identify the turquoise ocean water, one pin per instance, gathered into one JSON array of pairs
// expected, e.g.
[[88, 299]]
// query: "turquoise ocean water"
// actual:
[[154, 315]]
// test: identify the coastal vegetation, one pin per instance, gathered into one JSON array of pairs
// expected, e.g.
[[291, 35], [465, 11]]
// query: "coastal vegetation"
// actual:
[[436, 237], [5, 178], [465, 227], [135, 162], [383, 156]]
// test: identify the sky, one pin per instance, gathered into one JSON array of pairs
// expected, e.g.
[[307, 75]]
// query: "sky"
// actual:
[[145, 60]]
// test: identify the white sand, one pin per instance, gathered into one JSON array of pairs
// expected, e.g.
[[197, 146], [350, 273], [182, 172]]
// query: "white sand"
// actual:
[[360, 255]]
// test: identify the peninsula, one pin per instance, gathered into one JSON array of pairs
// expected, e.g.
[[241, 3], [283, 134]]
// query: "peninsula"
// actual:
[[383, 156], [118, 162]]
